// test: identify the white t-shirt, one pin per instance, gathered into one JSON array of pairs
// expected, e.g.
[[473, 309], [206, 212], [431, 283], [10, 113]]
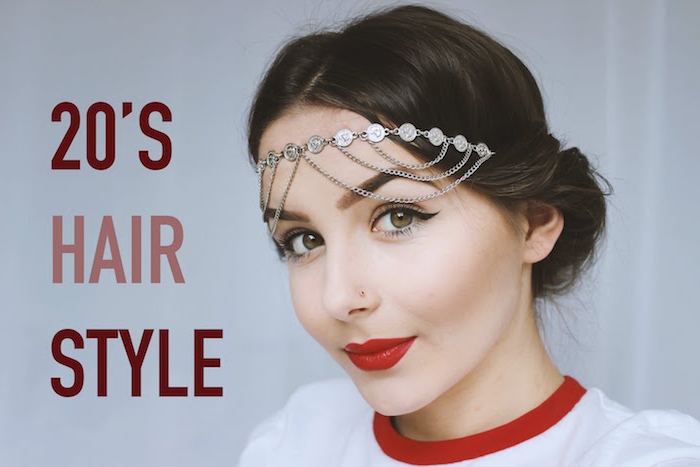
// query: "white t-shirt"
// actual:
[[328, 424]]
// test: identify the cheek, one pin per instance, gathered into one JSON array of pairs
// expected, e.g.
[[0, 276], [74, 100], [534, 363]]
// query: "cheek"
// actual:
[[459, 280], [305, 292]]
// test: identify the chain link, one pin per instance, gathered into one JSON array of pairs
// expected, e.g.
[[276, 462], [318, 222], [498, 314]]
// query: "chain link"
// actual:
[[424, 165], [278, 211], [273, 169], [370, 194], [403, 174]]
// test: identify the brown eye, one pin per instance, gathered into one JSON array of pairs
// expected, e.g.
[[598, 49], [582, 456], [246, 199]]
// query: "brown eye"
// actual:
[[311, 241], [304, 242], [394, 220], [401, 219]]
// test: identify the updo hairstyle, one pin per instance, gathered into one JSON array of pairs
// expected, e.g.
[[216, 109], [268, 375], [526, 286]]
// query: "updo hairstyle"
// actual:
[[414, 64]]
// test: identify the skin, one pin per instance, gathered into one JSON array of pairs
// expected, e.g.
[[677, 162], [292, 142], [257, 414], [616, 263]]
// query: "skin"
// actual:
[[459, 281]]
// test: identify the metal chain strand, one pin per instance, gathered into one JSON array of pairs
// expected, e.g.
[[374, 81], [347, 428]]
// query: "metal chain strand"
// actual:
[[424, 165], [278, 212], [369, 194], [261, 169], [403, 174], [273, 169]]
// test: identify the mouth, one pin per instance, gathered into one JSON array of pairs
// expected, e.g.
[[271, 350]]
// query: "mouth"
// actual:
[[378, 354]]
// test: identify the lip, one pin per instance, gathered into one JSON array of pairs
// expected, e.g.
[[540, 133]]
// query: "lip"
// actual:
[[378, 354]]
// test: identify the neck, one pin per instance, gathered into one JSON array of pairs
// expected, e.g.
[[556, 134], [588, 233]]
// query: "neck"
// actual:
[[516, 376]]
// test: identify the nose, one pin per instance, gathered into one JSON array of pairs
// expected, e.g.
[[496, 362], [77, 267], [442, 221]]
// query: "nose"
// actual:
[[348, 291]]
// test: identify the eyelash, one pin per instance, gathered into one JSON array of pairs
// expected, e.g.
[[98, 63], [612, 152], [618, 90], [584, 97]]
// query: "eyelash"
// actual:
[[286, 251], [284, 247]]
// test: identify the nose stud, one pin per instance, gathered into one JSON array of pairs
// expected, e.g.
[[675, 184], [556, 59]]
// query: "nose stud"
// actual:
[[362, 293]]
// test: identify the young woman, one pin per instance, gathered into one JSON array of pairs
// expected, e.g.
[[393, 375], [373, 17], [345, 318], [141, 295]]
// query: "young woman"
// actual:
[[409, 178]]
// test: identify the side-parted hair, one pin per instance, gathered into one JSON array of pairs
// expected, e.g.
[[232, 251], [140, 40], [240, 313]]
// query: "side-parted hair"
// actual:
[[415, 64]]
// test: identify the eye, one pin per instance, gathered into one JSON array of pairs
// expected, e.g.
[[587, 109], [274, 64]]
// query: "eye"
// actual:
[[302, 242], [400, 220], [394, 220]]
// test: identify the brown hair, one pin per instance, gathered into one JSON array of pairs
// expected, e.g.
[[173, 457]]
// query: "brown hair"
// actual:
[[412, 63]]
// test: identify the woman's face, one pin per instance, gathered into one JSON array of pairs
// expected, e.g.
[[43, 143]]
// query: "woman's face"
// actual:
[[441, 279]]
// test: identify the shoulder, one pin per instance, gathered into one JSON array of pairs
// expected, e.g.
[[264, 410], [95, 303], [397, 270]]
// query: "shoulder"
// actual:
[[317, 421], [647, 438]]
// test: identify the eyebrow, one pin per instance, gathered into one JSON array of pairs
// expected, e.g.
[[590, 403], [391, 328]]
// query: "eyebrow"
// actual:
[[284, 215], [372, 184]]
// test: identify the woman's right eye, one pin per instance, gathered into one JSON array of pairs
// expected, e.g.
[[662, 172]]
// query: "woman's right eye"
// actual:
[[301, 243]]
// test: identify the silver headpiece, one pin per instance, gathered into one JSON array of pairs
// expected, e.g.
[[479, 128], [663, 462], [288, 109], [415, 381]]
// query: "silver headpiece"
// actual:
[[374, 134]]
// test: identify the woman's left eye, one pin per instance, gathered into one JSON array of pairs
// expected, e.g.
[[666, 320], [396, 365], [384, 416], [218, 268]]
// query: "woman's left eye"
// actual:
[[400, 219], [394, 220]]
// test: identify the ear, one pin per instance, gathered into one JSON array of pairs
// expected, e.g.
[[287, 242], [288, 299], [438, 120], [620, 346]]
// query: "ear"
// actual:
[[544, 225]]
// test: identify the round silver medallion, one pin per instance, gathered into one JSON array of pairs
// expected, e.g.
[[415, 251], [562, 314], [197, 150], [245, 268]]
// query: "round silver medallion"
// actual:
[[343, 138], [460, 142], [436, 136], [272, 159], [375, 132], [291, 152], [482, 150], [315, 144], [407, 132]]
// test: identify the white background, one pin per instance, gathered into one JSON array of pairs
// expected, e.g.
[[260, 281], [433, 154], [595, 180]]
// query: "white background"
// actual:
[[619, 79]]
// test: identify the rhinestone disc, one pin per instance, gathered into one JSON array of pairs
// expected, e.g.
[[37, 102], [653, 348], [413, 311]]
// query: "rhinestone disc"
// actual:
[[436, 136], [482, 150], [343, 138], [461, 143], [272, 159], [291, 152], [315, 144], [407, 132], [375, 132]]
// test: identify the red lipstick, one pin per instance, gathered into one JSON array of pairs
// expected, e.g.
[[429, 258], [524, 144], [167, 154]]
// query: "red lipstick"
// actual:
[[378, 354]]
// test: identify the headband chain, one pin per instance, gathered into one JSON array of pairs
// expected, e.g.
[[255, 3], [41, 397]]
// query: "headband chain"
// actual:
[[373, 135]]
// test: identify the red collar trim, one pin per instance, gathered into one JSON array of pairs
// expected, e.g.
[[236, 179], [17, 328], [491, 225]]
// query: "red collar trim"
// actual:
[[533, 423]]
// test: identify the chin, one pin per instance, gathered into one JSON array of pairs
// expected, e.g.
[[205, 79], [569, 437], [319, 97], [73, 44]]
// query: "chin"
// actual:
[[391, 396]]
